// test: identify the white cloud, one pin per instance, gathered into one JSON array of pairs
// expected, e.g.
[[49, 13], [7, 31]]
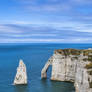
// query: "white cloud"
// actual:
[[29, 40], [73, 40], [30, 35], [53, 31], [7, 29]]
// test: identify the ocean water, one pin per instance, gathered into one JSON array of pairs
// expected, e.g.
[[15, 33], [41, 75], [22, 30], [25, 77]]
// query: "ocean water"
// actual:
[[34, 56]]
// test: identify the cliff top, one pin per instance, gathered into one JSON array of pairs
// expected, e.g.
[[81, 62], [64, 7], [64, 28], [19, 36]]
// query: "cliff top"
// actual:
[[66, 52]]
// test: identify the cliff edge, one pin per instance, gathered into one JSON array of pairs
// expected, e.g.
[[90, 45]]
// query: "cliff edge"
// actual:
[[72, 65]]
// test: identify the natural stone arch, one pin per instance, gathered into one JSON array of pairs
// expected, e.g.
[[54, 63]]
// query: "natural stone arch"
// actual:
[[45, 68]]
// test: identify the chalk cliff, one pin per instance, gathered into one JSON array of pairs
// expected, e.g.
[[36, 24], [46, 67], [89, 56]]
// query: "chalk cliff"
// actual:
[[71, 65], [21, 75]]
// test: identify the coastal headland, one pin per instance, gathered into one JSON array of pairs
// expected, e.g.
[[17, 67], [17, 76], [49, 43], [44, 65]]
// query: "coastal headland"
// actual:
[[73, 65]]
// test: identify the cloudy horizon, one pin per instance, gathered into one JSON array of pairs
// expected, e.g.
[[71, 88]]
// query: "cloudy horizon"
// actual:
[[46, 21]]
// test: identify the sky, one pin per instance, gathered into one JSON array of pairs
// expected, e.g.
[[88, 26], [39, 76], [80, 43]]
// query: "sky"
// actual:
[[45, 21]]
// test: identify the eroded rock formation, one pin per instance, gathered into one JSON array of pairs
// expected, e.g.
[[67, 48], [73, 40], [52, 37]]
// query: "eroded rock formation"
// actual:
[[72, 65], [44, 70], [21, 75]]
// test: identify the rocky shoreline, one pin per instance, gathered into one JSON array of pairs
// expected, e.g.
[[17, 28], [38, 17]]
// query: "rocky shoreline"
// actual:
[[71, 65]]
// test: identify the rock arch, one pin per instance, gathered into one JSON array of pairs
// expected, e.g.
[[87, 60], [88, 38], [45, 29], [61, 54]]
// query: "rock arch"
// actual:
[[45, 68]]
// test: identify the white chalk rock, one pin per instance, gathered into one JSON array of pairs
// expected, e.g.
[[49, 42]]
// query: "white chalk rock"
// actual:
[[21, 75]]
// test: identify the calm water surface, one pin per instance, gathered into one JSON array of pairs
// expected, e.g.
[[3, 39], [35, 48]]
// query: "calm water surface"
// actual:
[[35, 57]]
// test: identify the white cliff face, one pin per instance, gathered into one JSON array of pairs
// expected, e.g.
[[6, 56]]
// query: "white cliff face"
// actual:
[[71, 68], [21, 75], [63, 68], [81, 78]]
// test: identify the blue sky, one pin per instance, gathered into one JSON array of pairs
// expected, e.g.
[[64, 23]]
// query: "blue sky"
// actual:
[[52, 21]]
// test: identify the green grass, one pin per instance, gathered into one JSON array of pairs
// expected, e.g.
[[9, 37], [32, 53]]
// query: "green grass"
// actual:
[[77, 52], [67, 52], [86, 52]]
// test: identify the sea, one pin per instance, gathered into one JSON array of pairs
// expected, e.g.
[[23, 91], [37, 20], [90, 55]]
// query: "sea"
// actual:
[[34, 55]]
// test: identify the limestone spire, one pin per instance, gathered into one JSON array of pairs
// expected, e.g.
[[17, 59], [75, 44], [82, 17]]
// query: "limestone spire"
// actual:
[[21, 75]]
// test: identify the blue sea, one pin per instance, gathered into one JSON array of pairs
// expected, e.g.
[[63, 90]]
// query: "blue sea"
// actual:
[[34, 56]]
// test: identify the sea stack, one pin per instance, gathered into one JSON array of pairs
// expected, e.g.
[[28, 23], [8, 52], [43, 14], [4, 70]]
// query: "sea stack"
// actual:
[[21, 75]]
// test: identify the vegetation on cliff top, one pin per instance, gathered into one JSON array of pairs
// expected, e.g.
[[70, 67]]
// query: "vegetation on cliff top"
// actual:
[[67, 52], [87, 52]]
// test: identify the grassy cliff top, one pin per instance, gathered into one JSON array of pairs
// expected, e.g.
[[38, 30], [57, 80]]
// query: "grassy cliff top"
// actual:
[[66, 52]]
